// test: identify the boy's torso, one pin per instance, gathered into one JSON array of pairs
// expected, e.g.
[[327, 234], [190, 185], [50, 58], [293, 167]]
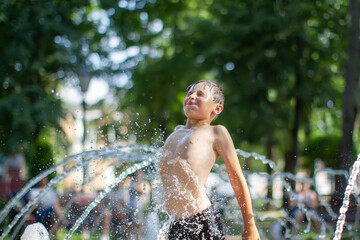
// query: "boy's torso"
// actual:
[[188, 158]]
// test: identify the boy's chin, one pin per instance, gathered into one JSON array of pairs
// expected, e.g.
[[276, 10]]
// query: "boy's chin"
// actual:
[[189, 113], [189, 108], [195, 118]]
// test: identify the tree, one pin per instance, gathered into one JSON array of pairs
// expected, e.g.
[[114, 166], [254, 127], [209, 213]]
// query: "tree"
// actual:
[[349, 107], [41, 44], [269, 58]]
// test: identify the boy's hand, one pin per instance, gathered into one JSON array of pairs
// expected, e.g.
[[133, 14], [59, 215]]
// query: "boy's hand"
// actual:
[[250, 234]]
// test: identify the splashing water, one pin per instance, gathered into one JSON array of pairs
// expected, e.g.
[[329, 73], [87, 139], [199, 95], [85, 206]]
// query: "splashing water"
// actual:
[[143, 157], [122, 154], [346, 201], [103, 194], [32, 203]]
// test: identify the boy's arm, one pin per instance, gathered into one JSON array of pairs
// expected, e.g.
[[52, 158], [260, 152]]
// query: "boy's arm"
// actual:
[[225, 148]]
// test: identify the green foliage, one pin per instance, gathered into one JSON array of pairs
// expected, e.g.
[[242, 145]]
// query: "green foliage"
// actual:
[[39, 157], [268, 56], [23, 116], [39, 38], [257, 50], [325, 148], [40, 43]]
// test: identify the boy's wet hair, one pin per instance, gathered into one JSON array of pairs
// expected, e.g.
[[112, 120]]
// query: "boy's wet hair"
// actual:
[[215, 90]]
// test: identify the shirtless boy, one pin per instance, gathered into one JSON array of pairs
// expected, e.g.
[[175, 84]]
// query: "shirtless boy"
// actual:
[[189, 154]]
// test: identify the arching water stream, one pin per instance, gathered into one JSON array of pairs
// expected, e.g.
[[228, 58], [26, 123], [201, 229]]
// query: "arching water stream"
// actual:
[[140, 157]]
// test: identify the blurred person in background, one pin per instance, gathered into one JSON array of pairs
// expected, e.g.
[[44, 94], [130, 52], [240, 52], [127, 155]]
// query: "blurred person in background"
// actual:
[[115, 213], [309, 199], [47, 210], [137, 190]]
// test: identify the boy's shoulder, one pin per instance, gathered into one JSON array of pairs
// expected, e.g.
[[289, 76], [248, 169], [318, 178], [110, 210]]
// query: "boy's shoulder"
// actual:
[[216, 131], [220, 133], [219, 128], [179, 127]]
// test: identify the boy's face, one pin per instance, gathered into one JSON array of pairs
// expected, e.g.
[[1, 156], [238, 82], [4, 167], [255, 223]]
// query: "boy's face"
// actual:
[[198, 103]]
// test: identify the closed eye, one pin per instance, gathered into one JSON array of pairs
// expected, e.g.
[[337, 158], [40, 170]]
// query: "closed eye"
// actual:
[[200, 93]]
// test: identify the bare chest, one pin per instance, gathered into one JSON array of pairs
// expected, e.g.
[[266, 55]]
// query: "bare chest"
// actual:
[[191, 144]]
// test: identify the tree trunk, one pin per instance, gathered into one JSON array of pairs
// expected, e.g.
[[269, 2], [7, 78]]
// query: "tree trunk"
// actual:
[[270, 155], [292, 154], [348, 103]]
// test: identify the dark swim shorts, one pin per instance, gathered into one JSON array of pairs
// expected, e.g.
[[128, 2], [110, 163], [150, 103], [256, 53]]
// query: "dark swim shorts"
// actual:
[[203, 226]]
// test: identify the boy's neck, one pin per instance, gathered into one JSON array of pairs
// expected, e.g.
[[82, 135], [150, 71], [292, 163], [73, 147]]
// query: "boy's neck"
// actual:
[[191, 123]]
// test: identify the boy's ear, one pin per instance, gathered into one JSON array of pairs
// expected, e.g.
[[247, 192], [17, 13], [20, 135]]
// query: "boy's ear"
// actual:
[[218, 109]]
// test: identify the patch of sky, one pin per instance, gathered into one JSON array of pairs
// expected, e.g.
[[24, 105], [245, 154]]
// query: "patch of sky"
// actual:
[[133, 36], [325, 37], [77, 17], [229, 66], [156, 53], [101, 19], [98, 89], [114, 41], [120, 80], [94, 58], [73, 59], [62, 40], [330, 104], [144, 17], [111, 11], [85, 48], [123, 4], [145, 50], [18, 66], [121, 56], [155, 26]]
